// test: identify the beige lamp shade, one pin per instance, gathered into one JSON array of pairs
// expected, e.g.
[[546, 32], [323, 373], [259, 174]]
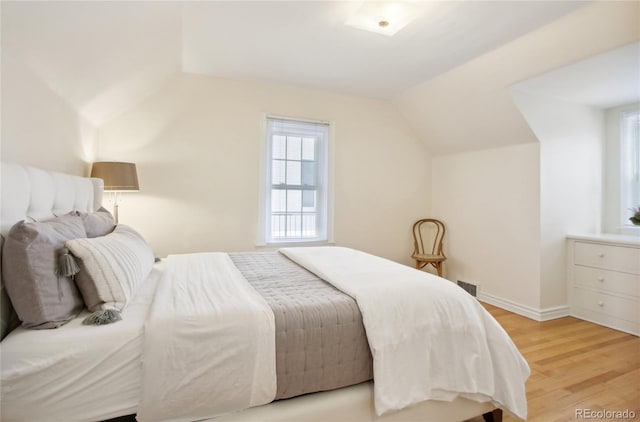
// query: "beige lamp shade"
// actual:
[[117, 176]]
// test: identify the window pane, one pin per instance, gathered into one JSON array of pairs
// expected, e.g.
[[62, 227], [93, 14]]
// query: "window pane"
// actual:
[[630, 165], [308, 149], [294, 200], [278, 225], [309, 225], [293, 173], [278, 146], [277, 172], [278, 200], [308, 200], [294, 225], [294, 148], [308, 173]]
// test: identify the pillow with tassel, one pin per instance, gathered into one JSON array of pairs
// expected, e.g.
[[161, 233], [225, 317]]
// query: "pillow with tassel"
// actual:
[[38, 273], [112, 268]]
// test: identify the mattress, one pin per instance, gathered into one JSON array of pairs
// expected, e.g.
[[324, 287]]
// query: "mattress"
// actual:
[[76, 372], [321, 342]]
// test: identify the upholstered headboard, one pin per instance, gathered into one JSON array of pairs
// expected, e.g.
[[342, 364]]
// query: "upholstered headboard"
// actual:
[[28, 193]]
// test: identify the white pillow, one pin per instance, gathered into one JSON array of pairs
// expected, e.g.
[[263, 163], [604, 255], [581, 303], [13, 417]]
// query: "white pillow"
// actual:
[[112, 267]]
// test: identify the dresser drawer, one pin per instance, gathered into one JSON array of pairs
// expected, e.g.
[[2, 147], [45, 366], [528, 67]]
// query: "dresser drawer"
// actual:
[[607, 321], [625, 309], [610, 281], [618, 258]]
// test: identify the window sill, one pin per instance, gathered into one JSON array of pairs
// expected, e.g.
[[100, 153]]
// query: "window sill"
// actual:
[[278, 245], [630, 230]]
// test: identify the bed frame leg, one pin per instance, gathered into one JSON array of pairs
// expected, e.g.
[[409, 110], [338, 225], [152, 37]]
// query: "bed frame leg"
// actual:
[[494, 416]]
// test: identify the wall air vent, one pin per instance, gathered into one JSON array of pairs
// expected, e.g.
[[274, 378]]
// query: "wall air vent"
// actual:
[[468, 287]]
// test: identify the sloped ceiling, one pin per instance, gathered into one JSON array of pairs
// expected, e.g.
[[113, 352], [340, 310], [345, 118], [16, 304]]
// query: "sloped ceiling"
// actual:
[[101, 57], [607, 80], [471, 108], [104, 57], [448, 72]]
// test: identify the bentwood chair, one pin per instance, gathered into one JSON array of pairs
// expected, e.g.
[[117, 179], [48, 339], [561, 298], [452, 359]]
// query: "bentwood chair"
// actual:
[[428, 234]]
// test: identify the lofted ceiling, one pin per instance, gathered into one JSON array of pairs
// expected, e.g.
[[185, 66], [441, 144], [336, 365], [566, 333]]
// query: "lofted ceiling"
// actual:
[[471, 107], [607, 80], [104, 57]]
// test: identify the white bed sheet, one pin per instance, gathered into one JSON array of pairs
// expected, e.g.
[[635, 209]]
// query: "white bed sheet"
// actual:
[[209, 344], [74, 373]]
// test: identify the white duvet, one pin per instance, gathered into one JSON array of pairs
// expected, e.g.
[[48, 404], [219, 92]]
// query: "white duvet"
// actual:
[[429, 339], [209, 346]]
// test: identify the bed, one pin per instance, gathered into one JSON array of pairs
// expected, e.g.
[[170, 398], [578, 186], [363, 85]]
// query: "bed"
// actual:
[[315, 370]]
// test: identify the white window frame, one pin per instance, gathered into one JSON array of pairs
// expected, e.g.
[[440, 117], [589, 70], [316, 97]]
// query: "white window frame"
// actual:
[[325, 185], [629, 165]]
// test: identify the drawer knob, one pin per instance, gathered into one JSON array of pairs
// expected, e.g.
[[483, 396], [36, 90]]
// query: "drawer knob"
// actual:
[[601, 254], [601, 279], [601, 304]]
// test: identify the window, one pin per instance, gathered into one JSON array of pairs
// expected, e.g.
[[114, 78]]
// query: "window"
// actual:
[[296, 181], [629, 164]]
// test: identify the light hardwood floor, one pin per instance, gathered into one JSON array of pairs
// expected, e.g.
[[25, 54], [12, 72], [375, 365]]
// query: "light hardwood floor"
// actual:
[[574, 365]]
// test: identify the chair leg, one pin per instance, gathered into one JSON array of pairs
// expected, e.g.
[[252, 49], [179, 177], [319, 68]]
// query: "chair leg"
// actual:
[[439, 268]]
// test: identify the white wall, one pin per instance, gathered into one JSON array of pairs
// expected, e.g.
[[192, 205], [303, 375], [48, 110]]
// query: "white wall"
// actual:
[[513, 257], [197, 141], [571, 143], [611, 210], [38, 127], [489, 202]]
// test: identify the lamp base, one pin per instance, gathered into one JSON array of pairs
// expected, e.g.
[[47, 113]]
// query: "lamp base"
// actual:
[[115, 212], [115, 206]]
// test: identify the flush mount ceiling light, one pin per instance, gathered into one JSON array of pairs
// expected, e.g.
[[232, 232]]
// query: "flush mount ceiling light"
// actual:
[[383, 17]]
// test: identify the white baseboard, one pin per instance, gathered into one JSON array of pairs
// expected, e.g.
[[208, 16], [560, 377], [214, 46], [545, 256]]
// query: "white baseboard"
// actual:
[[554, 312], [524, 310]]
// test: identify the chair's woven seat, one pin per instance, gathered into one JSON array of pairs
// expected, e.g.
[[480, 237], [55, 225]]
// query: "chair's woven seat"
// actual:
[[428, 257]]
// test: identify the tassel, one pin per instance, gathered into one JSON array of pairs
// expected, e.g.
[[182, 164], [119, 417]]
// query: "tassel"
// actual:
[[67, 265], [102, 317]]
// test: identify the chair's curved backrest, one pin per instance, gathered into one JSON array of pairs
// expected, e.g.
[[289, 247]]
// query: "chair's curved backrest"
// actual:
[[428, 234]]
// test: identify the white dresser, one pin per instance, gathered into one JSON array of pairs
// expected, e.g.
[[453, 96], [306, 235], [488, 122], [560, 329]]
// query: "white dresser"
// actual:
[[604, 280]]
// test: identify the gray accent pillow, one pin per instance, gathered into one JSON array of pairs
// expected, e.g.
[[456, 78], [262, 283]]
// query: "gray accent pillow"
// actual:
[[8, 318], [112, 267], [41, 298], [99, 223]]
